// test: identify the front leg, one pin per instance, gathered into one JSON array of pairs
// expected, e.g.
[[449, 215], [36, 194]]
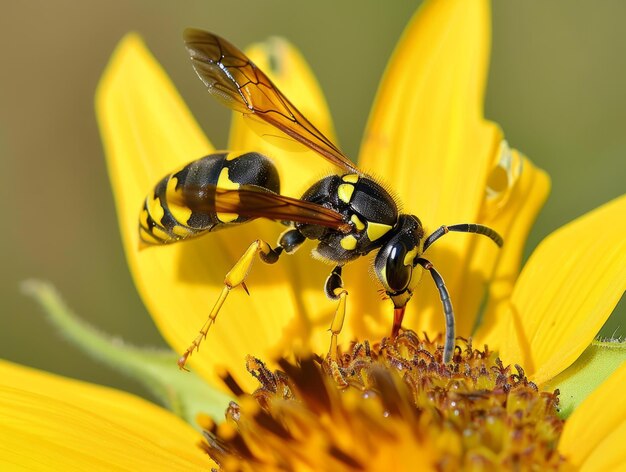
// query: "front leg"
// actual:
[[448, 312], [335, 291]]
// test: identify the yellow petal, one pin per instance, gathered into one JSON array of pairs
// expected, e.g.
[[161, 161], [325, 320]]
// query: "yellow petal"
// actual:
[[565, 293], [52, 423], [511, 208], [594, 436], [427, 137], [148, 132]]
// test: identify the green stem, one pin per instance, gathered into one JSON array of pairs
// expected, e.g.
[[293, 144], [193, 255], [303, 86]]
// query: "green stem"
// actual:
[[184, 393]]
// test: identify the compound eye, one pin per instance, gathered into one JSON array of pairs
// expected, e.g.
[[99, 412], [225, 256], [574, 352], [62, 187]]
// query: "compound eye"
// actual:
[[397, 273]]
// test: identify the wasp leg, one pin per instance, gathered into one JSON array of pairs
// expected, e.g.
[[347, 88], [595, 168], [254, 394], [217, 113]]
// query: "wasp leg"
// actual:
[[447, 307], [335, 291], [463, 228], [235, 277]]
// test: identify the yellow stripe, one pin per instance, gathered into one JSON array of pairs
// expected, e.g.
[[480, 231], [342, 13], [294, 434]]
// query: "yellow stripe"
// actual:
[[160, 234], [170, 190], [344, 191], [182, 231], [143, 217], [408, 259], [348, 242], [226, 217], [376, 230], [358, 224], [382, 275], [231, 156], [224, 181], [352, 178], [180, 213], [147, 237], [155, 209]]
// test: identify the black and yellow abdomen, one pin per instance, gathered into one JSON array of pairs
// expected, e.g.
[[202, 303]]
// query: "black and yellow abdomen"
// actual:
[[166, 219]]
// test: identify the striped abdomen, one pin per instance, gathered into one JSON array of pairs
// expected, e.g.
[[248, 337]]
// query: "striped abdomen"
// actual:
[[165, 218]]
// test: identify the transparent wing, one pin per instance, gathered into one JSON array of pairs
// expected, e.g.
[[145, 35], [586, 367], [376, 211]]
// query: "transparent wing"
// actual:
[[235, 81]]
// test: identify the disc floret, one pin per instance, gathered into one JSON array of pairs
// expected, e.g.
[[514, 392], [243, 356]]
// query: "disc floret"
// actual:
[[387, 405]]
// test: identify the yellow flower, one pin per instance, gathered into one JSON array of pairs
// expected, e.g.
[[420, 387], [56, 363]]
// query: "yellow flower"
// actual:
[[51, 423], [428, 140]]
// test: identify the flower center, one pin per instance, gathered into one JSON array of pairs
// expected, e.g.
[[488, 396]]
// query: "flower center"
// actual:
[[390, 406]]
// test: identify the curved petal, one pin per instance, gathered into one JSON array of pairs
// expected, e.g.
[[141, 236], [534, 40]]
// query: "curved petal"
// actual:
[[594, 436], [301, 277], [518, 190], [148, 132], [52, 423], [565, 293], [427, 137]]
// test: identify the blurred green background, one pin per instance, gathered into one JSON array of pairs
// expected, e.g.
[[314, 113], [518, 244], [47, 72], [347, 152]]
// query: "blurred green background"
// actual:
[[556, 85]]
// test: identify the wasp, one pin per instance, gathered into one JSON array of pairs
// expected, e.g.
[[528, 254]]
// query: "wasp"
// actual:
[[348, 214]]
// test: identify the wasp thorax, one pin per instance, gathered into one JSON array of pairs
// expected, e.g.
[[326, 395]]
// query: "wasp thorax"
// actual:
[[395, 261], [364, 204]]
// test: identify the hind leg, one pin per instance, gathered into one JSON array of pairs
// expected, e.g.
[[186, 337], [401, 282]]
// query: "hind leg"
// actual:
[[234, 278]]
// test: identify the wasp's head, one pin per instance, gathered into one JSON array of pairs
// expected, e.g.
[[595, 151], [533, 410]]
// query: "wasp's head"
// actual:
[[396, 258]]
